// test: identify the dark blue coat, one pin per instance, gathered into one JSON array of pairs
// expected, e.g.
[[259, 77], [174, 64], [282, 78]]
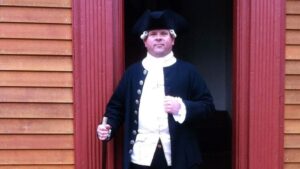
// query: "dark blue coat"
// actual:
[[181, 80]]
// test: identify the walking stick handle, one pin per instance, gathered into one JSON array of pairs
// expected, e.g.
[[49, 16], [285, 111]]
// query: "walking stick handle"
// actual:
[[104, 120]]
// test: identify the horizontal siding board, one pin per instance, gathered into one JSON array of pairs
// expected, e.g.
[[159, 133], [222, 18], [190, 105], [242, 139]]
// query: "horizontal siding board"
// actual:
[[37, 3], [292, 111], [293, 7], [292, 155], [292, 96], [292, 67], [292, 126], [292, 82], [36, 126], [36, 110], [288, 166], [36, 142], [35, 15], [292, 52], [35, 79], [293, 22], [51, 166], [36, 157], [293, 37], [292, 141], [35, 31], [39, 95], [35, 47], [35, 63]]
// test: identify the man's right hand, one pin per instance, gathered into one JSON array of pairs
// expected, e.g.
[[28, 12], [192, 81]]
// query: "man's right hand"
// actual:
[[104, 131]]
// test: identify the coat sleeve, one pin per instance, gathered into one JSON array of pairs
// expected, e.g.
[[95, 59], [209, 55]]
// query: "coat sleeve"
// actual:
[[116, 106], [199, 104]]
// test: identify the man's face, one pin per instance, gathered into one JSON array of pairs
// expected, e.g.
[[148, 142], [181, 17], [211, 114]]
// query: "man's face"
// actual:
[[159, 42]]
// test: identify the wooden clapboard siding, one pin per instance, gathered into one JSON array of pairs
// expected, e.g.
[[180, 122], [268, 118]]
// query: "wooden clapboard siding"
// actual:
[[35, 63], [292, 126], [293, 7], [37, 157], [292, 111], [293, 22], [292, 155], [293, 37], [35, 31], [292, 166], [36, 126], [292, 141], [41, 142], [292, 96], [36, 95], [35, 47], [40, 79], [292, 67], [36, 84], [38, 167], [37, 3], [36, 110], [35, 15], [291, 81], [292, 52], [292, 86]]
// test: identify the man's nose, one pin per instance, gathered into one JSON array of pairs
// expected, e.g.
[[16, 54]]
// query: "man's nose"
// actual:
[[158, 37]]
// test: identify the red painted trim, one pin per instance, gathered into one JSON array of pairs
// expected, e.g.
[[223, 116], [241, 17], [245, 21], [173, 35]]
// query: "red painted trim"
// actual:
[[98, 63], [259, 83]]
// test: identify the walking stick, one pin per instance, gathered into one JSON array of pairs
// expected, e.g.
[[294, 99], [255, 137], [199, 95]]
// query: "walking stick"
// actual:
[[104, 146]]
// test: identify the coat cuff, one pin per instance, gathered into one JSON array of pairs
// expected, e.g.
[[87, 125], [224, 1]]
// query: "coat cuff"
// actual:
[[180, 117]]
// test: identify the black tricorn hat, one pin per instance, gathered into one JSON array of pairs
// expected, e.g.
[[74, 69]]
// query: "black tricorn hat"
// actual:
[[165, 19]]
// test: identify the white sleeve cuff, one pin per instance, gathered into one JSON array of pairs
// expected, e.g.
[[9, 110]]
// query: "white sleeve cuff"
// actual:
[[180, 117]]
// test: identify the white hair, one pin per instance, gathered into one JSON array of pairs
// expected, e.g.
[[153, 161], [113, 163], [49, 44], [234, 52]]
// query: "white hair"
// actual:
[[145, 34]]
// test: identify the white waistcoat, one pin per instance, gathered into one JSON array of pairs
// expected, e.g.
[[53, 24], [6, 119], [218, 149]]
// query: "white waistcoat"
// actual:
[[153, 120]]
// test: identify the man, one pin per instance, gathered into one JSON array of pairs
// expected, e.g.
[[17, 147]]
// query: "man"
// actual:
[[160, 100]]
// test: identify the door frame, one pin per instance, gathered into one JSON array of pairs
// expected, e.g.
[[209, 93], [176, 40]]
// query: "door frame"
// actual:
[[259, 59], [258, 88]]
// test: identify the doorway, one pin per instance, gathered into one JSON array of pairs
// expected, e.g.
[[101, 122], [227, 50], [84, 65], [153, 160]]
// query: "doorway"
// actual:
[[208, 45]]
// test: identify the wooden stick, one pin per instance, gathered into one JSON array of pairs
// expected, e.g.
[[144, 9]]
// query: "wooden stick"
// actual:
[[104, 146]]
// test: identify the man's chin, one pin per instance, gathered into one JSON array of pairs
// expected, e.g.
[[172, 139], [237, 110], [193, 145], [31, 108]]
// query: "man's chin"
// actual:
[[159, 54]]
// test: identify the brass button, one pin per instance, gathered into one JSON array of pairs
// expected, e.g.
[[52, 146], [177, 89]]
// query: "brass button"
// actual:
[[131, 141], [139, 91], [134, 132], [141, 82], [137, 101], [145, 72], [135, 112], [130, 151]]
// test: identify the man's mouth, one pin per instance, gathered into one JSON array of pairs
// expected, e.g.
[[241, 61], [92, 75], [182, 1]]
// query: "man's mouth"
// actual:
[[159, 45]]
